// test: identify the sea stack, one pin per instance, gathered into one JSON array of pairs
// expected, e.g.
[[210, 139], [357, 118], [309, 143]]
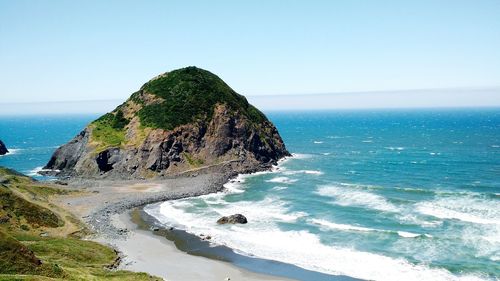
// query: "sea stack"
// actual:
[[186, 121], [3, 148]]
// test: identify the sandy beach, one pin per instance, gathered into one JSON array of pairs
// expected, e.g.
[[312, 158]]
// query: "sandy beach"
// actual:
[[143, 251], [105, 207]]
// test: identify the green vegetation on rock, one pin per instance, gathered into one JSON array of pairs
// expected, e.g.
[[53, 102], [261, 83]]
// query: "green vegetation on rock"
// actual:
[[184, 96], [119, 122], [190, 94], [109, 130]]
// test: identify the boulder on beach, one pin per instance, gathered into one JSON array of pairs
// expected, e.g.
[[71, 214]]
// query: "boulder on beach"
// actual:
[[237, 218], [3, 148]]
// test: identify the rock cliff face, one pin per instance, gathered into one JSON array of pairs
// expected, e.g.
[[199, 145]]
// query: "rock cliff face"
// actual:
[[184, 121], [3, 148]]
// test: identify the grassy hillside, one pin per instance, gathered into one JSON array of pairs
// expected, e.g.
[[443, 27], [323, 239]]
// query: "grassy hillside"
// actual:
[[109, 130], [39, 241], [17, 258]]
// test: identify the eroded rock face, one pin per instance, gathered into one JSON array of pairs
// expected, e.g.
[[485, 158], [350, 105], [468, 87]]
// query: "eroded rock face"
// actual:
[[3, 148], [66, 156], [227, 141], [236, 218]]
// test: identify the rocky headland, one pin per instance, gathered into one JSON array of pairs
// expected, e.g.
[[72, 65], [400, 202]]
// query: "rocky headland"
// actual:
[[183, 122], [184, 133]]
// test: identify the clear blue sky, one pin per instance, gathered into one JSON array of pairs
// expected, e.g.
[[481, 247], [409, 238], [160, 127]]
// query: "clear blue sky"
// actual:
[[92, 50]]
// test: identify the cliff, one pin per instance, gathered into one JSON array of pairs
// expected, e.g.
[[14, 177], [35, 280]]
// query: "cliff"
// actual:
[[184, 121]]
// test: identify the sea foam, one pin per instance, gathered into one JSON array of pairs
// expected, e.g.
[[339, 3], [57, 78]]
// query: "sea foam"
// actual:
[[398, 148], [199, 215], [310, 172], [13, 151], [345, 196], [37, 170], [283, 246], [284, 180], [301, 156], [463, 208], [347, 227]]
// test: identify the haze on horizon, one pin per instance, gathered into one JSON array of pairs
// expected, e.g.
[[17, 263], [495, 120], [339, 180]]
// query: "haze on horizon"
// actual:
[[410, 99], [366, 52]]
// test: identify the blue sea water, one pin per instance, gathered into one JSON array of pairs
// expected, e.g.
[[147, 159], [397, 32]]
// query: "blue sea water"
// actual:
[[31, 139], [378, 195]]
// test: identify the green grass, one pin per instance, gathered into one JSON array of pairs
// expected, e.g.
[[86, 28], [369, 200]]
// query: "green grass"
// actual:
[[9, 172], [190, 94], [25, 255], [41, 190], [28, 185], [16, 258], [109, 130], [118, 121], [59, 258], [84, 259], [19, 210], [69, 252]]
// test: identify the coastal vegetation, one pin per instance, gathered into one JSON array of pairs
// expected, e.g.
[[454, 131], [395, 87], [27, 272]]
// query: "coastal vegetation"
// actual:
[[189, 94], [182, 96], [109, 130], [41, 241]]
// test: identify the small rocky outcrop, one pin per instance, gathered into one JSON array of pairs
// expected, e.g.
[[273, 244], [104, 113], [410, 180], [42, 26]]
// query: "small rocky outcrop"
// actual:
[[184, 121], [66, 156], [3, 148], [237, 218]]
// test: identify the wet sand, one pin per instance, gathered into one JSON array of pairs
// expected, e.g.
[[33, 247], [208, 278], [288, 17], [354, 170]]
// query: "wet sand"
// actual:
[[143, 251]]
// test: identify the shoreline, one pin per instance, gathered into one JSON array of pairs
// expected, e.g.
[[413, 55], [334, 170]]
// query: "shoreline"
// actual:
[[104, 206], [142, 251], [201, 247]]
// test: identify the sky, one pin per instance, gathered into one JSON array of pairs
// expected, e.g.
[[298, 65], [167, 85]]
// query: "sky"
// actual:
[[105, 50]]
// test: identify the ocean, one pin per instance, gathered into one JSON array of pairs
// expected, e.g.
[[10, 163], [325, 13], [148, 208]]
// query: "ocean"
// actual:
[[378, 195]]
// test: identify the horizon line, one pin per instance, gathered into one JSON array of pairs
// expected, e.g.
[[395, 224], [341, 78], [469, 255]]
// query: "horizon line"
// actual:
[[479, 88], [410, 108]]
